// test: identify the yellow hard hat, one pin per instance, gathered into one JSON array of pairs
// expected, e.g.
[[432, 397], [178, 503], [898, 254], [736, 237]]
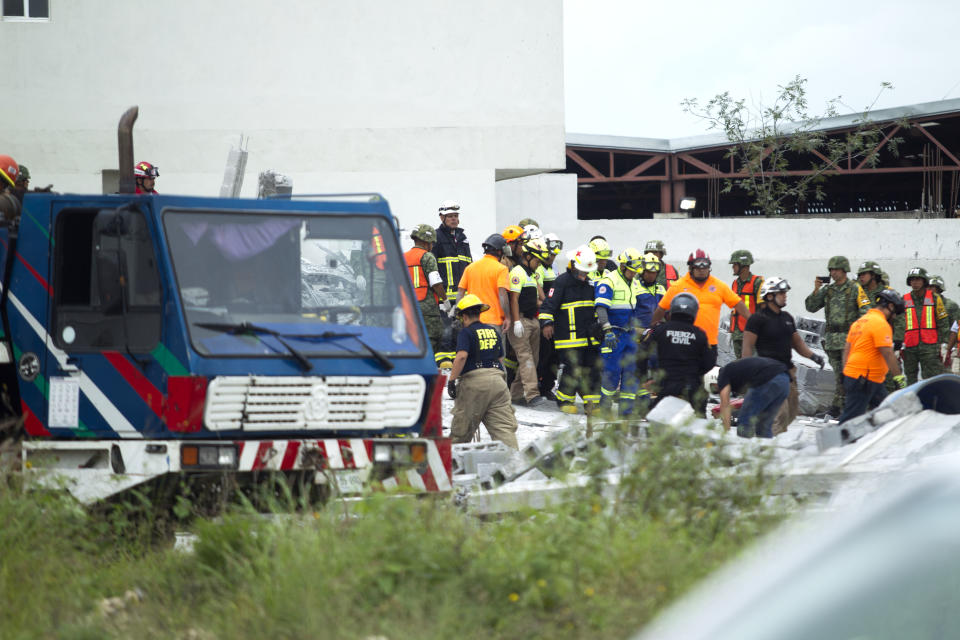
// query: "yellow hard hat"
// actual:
[[470, 301]]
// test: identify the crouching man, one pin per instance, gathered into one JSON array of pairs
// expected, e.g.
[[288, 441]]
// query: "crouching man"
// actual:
[[766, 383], [479, 379]]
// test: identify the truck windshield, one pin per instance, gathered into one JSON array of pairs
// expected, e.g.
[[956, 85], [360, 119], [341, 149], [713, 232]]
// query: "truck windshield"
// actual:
[[298, 275]]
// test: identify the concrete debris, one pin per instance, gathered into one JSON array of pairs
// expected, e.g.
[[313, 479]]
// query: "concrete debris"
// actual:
[[671, 412], [896, 406]]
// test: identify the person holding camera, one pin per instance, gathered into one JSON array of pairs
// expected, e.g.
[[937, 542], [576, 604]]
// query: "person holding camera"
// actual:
[[843, 302]]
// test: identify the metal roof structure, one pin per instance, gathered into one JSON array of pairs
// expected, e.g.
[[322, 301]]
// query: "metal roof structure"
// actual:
[[633, 177]]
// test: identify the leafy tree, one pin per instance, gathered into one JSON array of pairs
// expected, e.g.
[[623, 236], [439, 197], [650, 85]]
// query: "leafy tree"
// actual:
[[781, 150]]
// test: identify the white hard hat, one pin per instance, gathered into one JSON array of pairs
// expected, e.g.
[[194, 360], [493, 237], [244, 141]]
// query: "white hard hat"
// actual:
[[710, 380], [583, 259], [773, 284], [449, 206], [532, 232]]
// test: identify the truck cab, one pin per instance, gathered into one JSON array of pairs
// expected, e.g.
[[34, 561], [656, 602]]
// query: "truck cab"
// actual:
[[148, 335]]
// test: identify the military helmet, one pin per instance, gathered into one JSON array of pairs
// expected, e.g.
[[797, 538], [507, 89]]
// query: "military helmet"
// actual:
[[918, 272], [838, 262], [630, 259], [937, 281], [655, 245], [885, 278], [869, 266], [741, 257], [526, 222], [424, 232], [888, 296], [471, 301], [684, 304], [601, 248], [24, 174]]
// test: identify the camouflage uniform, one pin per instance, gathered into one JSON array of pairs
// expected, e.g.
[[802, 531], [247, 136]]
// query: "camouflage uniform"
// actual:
[[923, 357], [745, 259], [842, 305], [429, 306]]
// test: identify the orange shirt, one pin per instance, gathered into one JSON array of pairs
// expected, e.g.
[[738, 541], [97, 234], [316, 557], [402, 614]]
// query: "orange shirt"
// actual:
[[866, 336], [483, 278], [712, 295]]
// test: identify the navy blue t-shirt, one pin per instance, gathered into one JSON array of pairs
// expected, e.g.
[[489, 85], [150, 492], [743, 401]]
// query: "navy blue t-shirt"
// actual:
[[483, 345]]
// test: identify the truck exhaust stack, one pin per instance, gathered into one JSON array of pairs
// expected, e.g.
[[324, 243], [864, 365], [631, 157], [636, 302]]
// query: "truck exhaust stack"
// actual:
[[125, 148]]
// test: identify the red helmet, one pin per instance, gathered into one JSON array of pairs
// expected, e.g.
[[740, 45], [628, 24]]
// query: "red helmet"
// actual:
[[145, 170], [9, 169], [699, 256]]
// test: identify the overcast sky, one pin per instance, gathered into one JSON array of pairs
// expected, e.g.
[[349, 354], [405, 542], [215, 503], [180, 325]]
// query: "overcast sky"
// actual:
[[629, 63]]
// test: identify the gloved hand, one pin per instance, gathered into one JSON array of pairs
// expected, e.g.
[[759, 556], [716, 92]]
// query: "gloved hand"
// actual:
[[445, 306], [452, 388], [610, 340], [453, 310], [900, 381], [361, 283], [518, 329], [818, 359]]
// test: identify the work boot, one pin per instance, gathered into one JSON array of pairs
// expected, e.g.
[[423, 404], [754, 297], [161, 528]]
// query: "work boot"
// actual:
[[569, 408], [536, 402]]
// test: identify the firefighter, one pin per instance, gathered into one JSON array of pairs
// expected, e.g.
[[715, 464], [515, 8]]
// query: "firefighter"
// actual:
[[548, 364], [925, 326], [668, 275], [453, 255], [146, 176], [683, 353], [650, 294], [525, 335], [427, 283], [601, 249], [478, 379], [747, 286], [567, 319], [615, 302]]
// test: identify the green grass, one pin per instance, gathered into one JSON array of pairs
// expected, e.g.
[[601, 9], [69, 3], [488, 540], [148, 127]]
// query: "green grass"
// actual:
[[397, 568]]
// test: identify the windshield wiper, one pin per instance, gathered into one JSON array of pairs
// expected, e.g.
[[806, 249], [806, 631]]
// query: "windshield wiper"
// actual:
[[245, 328], [330, 335]]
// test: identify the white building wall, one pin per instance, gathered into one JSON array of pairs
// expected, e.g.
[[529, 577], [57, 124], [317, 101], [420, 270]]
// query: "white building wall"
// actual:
[[420, 100]]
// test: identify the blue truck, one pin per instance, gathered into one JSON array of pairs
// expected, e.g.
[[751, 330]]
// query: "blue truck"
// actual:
[[150, 336]]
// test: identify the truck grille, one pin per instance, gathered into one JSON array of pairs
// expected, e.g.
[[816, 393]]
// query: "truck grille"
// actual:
[[262, 403]]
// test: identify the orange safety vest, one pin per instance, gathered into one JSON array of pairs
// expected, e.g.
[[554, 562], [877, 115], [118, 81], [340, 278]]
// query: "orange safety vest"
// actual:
[[924, 331], [379, 249], [419, 278], [671, 274], [748, 291]]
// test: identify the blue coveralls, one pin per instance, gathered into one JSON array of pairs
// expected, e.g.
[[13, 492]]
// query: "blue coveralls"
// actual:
[[620, 363]]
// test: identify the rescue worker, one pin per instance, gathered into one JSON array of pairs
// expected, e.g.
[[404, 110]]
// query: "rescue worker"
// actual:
[[747, 286], [525, 336], [10, 204], [601, 249], [453, 255], [488, 280], [668, 275], [567, 319], [146, 176], [427, 283], [925, 326], [649, 295], [953, 314], [711, 294], [772, 333], [764, 384], [683, 353], [869, 276], [513, 234], [548, 364], [480, 384], [842, 301], [868, 355], [615, 302]]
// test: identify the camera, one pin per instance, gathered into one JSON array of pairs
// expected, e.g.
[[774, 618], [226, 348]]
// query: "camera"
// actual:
[[824, 279]]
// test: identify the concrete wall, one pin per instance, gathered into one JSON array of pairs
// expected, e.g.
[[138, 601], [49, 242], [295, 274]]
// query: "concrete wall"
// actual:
[[421, 100]]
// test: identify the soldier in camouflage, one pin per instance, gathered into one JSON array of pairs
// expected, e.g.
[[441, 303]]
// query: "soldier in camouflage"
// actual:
[[870, 277], [427, 283], [747, 286], [668, 275], [953, 313], [925, 326], [843, 301]]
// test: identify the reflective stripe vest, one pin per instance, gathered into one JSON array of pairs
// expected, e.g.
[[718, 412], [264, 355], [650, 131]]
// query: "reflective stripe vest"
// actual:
[[618, 296], [749, 291], [413, 258], [453, 256], [925, 330], [671, 274], [569, 308]]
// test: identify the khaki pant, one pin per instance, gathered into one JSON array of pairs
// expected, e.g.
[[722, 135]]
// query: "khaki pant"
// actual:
[[482, 396], [790, 408], [526, 385]]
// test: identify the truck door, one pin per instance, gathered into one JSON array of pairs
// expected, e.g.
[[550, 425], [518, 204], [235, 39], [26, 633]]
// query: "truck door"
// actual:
[[105, 321]]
